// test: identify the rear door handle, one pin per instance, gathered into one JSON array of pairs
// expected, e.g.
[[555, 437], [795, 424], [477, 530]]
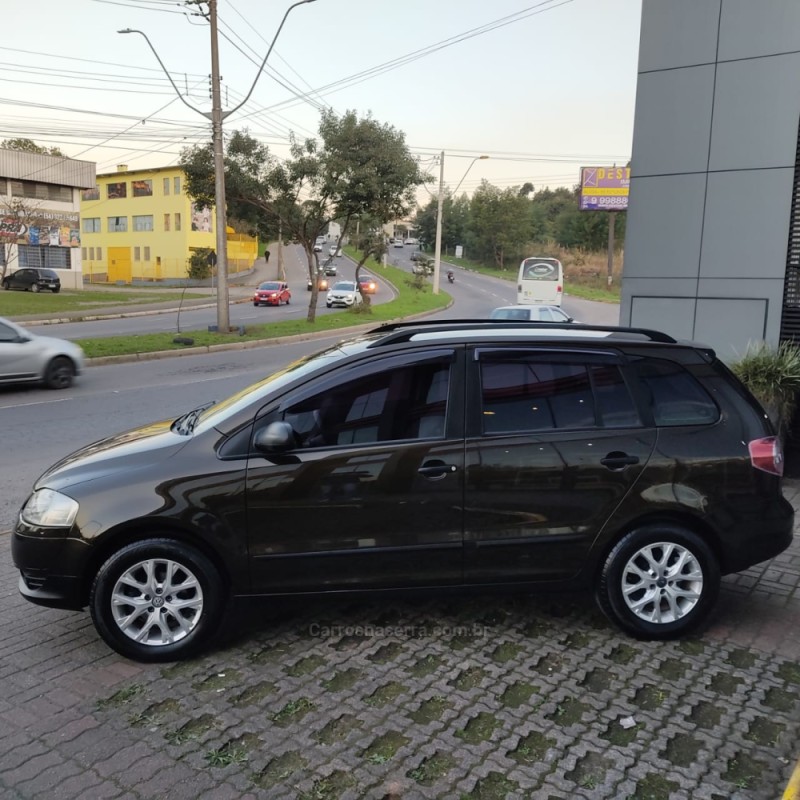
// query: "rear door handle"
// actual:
[[618, 461], [436, 470]]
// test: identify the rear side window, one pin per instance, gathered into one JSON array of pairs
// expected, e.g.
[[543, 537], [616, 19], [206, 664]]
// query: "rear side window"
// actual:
[[675, 396], [532, 395]]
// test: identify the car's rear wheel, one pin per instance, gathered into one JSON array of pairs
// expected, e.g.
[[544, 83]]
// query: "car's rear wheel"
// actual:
[[659, 582], [6, 285], [157, 600], [59, 374], [35, 288]]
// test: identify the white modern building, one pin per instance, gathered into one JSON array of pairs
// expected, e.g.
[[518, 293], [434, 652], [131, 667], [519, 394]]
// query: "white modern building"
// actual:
[[40, 199], [713, 235]]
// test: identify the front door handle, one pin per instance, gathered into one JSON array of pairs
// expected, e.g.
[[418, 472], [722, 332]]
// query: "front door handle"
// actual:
[[436, 470], [618, 460]]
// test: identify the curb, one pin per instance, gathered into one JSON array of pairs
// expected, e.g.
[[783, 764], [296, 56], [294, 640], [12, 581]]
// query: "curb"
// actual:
[[792, 791]]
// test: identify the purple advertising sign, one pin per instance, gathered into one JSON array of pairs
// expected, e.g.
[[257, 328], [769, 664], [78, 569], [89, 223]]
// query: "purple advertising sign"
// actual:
[[604, 188]]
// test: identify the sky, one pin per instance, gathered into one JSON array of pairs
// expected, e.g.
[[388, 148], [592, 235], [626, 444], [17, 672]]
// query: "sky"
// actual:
[[542, 87]]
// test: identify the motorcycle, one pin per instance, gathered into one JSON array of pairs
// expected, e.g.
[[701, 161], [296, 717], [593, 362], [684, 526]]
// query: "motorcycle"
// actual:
[[451, 276]]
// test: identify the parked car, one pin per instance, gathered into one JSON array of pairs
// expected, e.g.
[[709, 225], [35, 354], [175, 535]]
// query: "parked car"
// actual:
[[538, 313], [322, 282], [318, 247], [33, 279], [367, 284], [398, 243], [272, 293], [343, 293], [421, 456], [411, 240], [415, 255], [28, 358]]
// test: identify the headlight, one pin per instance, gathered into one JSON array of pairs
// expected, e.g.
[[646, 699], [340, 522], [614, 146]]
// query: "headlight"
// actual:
[[49, 509]]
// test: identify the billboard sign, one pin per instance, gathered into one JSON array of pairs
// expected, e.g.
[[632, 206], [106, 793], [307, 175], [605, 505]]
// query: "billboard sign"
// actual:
[[604, 188]]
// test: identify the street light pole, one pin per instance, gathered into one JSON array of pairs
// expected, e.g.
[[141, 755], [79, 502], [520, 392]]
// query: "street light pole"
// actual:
[[437, 254]]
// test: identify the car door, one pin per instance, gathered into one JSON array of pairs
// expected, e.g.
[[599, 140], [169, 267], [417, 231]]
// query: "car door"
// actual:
[[372, 495], [17, 359], [554, 443]]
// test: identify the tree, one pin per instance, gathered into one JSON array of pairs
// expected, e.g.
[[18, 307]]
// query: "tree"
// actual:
[[29, 146], [17, 216], [500, 223], [359, 167]]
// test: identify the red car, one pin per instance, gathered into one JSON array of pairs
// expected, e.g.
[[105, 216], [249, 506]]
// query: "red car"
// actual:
[[367, 284], [272, 293]]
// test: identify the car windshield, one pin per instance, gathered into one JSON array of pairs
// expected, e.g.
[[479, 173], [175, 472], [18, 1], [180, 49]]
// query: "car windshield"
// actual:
[[344, 286], [270, 285], [510, 313]]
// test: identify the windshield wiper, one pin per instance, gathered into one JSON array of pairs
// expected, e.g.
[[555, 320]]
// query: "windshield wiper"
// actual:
[[184, 425]]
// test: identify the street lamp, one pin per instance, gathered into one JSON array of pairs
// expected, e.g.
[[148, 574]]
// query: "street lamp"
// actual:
[[216, 116], [437, 254]]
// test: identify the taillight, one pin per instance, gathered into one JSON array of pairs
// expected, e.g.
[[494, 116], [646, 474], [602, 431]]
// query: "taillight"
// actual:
[[767, 454], [560, 289]]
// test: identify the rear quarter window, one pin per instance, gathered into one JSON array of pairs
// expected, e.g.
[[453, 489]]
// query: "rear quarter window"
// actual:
[[675, 396]]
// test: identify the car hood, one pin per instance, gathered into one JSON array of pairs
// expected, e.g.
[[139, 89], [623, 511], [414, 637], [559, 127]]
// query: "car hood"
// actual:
[[54, 345], [124, 452]]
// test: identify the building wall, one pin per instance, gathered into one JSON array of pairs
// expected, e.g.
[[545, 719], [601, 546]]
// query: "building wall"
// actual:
[[128, 198], [40, 227], [712, 170]]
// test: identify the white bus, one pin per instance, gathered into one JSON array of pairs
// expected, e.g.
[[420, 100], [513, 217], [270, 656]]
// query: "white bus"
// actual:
[[540, 280]]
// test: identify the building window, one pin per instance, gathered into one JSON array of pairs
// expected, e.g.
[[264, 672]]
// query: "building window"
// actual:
[[142, 188], [177, 221], [137, 255], [143, 222], [91, 194], [91, 254], [177, 186], [99, 253], [41, 191], [114, 191], [49, 257], [83, 253], [146, 253], [90, 224], [117, 224], [166, 185], [166, 222]]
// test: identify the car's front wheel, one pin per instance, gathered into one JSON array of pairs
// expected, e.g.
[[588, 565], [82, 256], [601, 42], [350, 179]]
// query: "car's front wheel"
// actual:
[[59, 374], [35, 288], [329, 305], [6, 285], [157, 600], [659, 582]]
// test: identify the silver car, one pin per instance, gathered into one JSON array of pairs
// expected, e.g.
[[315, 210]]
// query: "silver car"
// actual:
[[531, 313], [28, 358], [343, 293]]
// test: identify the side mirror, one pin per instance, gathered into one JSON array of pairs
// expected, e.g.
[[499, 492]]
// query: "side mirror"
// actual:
[[277, 437]]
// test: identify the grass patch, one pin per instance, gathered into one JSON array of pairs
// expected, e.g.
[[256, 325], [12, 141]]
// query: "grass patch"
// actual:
[[433, 768], [384, 747], [121, 698], [409, 301], [293, 711], [13, 304], [431, 710], [479, 728]]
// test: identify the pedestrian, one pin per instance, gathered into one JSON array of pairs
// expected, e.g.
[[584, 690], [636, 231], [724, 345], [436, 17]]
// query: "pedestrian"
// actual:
[[266, 256]]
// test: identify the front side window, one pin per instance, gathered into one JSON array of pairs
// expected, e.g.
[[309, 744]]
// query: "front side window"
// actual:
[[117, 224], [143, 222], [408, 402]]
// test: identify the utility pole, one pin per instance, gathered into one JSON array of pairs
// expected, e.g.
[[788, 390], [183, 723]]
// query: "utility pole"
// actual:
[[281, 271], [437, 253], [223, 305]]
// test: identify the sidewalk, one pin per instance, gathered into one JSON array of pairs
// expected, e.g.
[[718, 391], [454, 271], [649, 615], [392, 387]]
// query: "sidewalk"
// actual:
[[454, 697]]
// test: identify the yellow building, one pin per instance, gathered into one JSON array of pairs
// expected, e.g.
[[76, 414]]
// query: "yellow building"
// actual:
[[139, 225]]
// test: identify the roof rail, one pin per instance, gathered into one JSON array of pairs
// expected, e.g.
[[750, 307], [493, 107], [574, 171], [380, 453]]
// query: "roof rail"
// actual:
[[403, 331]]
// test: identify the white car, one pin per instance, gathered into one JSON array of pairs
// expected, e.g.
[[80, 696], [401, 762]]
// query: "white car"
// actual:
[[318, 247], [28, 358], [343, 293], [532, 313], [398, 242], [411, 240], [334, 251]]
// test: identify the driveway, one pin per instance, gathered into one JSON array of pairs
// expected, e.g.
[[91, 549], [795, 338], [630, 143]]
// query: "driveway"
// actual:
[[482, 696]]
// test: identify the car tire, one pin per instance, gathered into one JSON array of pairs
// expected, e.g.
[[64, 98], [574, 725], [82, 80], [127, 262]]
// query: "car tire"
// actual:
[[659, 582], [329, 305], [35, 288], [6, 285], [59, 373], [56, 291], [140, 572], [255, 305]]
